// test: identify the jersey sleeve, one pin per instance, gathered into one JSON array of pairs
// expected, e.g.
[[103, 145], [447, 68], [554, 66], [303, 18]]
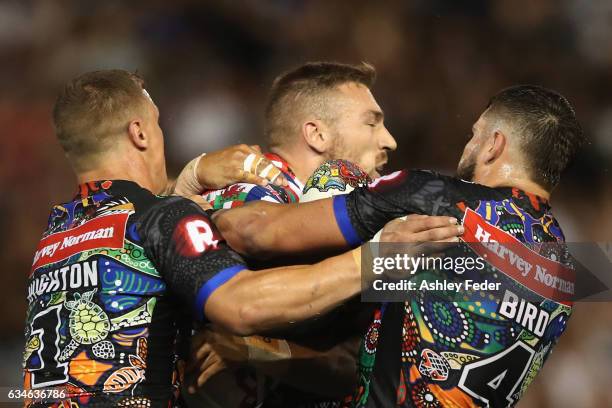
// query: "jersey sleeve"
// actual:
[[366, 210], [238, 194], [188, 251]]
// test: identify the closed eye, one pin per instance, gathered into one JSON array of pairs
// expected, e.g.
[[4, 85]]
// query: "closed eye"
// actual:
[[373, 118]]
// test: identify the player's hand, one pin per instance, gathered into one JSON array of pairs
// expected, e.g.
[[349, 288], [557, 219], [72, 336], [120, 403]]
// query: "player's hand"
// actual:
[[238, 164], [415, 235], [234, 164], [213, 352], [422, 229]]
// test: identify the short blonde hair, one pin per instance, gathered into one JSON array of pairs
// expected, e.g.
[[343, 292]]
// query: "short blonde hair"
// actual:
[[306, 89], [93, 108]]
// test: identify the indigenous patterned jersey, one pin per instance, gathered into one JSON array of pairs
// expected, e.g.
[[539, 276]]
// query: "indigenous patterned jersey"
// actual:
[[250, 388], [118, 274], [254, 389], [479, 350], [240, 193]]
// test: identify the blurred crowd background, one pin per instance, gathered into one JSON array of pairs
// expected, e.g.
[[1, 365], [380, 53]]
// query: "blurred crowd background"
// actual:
[[209, 64]]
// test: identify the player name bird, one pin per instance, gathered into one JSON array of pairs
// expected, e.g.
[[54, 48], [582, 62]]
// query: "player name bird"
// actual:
[[78, 275], [527, 314]]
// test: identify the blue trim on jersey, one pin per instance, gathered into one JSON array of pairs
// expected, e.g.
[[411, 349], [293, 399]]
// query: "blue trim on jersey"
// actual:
[[344, 222], [134, 233], [258, 193], [213, 284]]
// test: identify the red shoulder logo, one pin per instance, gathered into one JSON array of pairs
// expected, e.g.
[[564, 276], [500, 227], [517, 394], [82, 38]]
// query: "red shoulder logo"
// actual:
[[195, 235]]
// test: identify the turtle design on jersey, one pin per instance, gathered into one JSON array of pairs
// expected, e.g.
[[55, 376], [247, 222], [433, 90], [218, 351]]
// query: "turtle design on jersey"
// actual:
[[89, 324], [32, 345]]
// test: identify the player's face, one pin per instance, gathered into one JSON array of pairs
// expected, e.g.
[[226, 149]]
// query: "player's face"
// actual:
[[157, 159], [360, 134], [468, 164]]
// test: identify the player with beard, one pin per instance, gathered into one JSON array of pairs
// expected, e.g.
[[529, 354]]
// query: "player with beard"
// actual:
[[432, 351], [316, 112], [120, 268]]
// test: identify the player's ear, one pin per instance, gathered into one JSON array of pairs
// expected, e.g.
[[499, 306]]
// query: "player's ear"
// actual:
[[495, 146], [137, 134], [316, 135]]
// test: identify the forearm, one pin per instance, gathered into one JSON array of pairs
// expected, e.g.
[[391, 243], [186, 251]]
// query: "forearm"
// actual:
[[255, 301], [263, 230], [332, 372]]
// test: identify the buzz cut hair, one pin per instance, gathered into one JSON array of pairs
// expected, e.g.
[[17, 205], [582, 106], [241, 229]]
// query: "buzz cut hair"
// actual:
[[93, 109], [305, 91]]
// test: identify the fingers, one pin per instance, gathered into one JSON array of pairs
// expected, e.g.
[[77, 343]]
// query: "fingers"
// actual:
[[203, 351], [259, 170], [267, 170], [247, 177], [211, 366], [203, 365], [422, 228], [449, 233], [425, 222], [197, 358], [236, 164]]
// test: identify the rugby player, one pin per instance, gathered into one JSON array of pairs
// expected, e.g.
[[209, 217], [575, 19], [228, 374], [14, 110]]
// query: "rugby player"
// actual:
[[120, 271], [473, 352], [316, 112]]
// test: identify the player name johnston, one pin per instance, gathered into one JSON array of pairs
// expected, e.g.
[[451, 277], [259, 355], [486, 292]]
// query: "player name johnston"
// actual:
[[74, 276]]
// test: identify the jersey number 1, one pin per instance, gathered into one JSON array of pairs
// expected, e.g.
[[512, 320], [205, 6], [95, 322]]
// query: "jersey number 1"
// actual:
[[46, 326]]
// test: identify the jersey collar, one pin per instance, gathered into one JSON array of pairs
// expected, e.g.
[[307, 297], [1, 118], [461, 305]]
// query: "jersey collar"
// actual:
[[294, 183], [90, 188]]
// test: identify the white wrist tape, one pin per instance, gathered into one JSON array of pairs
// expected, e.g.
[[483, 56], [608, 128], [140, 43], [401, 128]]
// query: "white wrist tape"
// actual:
[[256, 166], [264, 172], [195, 167], [248, 162], [187, 183]]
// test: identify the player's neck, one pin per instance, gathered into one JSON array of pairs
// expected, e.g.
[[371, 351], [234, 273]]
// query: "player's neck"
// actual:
[[301, 163], [502, 177], [120, 170]]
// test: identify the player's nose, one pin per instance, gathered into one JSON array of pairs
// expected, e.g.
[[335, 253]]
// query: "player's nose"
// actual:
[[387, 141]]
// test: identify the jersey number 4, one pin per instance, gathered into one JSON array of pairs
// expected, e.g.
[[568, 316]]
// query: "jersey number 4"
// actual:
[[497, 375]]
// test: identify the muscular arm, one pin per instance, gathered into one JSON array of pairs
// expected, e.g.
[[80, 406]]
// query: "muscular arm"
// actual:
[[211, 279], [262, 230], [269, 298], [256, 301], [290, 294]]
